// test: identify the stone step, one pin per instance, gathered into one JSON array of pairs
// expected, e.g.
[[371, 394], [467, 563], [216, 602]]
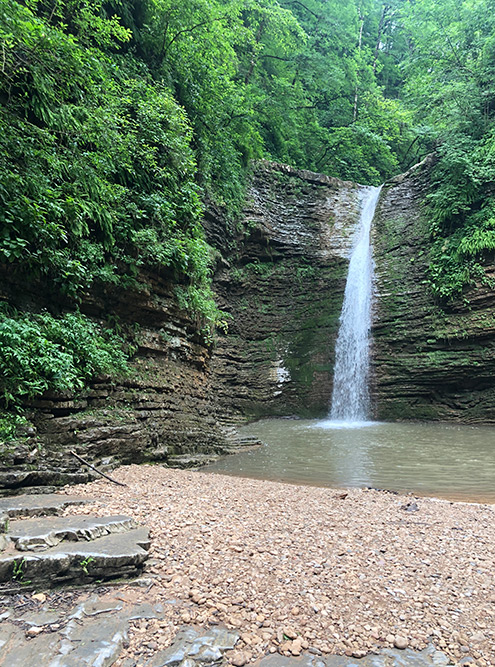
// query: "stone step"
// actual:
[[118, 555], [17, 478], [41, 534], [37, 505], [242, 443], [247, 441]]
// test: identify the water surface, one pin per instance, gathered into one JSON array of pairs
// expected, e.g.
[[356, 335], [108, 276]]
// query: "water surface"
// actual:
[[449, 461]]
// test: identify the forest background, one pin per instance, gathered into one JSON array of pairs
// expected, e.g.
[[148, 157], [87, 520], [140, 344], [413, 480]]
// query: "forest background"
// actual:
[[121, 120]]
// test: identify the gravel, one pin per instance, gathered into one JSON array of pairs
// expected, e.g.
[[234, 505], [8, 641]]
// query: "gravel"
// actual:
[[297, 569]]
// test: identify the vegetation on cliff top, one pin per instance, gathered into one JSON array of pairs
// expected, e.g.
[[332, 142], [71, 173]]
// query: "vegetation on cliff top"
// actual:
[[450, 86], [120, 118]]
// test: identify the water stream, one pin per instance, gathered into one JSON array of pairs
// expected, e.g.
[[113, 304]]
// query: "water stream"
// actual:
[[350, 398]]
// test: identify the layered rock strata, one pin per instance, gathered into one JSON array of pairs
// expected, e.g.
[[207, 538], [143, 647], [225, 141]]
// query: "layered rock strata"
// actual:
[[284, 289], [280, 276], [163, 409], [48, 549], [429, 361]]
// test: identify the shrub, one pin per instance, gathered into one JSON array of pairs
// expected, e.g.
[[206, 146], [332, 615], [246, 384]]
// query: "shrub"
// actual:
[[41, 352]]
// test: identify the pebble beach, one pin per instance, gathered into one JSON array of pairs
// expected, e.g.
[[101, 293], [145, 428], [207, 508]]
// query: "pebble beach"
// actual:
[[299, 569]]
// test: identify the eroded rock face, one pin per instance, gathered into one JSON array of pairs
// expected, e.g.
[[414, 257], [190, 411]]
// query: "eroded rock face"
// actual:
[[166, 407], [284, 288], [428, 362], [281, 276]]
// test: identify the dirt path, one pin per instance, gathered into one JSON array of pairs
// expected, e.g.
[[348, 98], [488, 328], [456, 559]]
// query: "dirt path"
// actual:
[[300, 568]]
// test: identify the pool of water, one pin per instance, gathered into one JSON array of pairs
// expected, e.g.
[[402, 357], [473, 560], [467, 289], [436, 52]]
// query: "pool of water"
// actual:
[[448, 461]]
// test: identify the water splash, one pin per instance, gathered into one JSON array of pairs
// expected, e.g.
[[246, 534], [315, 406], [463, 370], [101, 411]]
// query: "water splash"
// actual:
[[350, 399]]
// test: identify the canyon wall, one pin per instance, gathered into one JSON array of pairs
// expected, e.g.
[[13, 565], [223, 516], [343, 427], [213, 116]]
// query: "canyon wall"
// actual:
[[162, 412], [280, 275], [283, 287], [429, 362]]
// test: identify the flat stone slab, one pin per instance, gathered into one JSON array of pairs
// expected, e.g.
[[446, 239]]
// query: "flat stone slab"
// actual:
[[92, 637], [41, 534], [191, 460], [429, 657], [196, 647], [108, 557], [38, 505]]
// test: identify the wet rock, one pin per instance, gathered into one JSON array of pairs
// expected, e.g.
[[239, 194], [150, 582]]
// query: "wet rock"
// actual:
[[34, 631], [293, 220], [428, 362]]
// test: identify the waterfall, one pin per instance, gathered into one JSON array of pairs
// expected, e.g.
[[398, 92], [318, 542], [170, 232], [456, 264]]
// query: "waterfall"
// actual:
[[350, 399]]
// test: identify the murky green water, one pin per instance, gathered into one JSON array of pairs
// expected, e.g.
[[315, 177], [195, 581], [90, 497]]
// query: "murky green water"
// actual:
[[456, 462]]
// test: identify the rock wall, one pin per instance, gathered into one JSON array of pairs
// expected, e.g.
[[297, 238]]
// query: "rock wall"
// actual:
[[281, 276], [162, 412], [428, 362], [283, 287]]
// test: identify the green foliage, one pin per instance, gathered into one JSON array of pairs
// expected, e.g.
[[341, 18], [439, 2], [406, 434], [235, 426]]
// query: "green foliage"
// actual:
[[85, 563], [449, 87], [94, 154], [119, 119], [41, 352], [11, 424], [200, 301], [456, 259], [19, 571]]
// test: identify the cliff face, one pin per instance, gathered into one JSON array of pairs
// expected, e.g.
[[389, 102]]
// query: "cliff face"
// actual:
[[162, 410], [428, 362], [281, 276], [284, 288]]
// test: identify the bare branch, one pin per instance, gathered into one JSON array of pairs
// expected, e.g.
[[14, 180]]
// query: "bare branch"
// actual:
[[110, 479], [188, 30]]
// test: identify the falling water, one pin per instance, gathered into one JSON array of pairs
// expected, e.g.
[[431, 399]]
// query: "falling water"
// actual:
[[350, 399]]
